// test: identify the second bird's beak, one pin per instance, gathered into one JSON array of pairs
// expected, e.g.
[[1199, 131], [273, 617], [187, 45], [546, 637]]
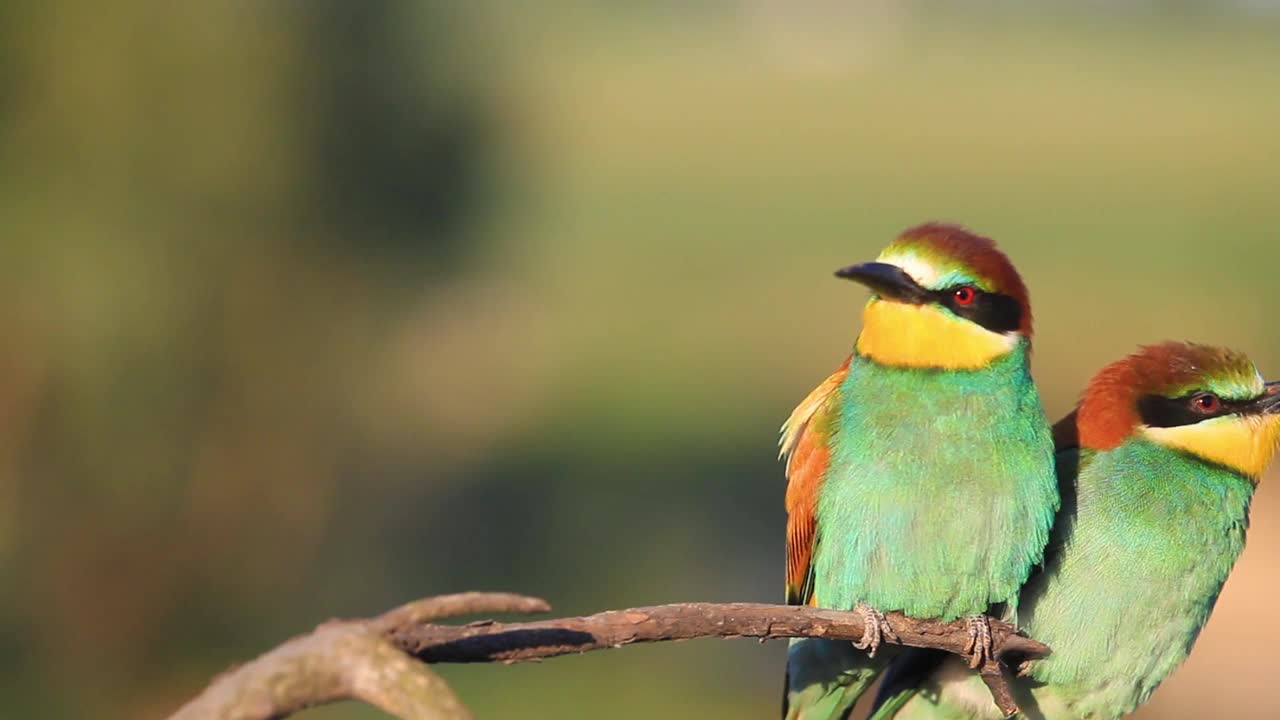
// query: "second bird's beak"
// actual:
[[888, 281], [1270, 400]]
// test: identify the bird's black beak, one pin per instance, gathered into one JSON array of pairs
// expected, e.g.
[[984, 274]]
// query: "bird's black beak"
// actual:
[[887, 281], [1270, 400]]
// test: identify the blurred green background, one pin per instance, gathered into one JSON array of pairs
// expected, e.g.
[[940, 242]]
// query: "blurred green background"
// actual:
[[311, 308]]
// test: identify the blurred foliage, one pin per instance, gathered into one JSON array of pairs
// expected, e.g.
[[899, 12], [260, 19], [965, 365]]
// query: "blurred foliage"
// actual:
[[312, 308]]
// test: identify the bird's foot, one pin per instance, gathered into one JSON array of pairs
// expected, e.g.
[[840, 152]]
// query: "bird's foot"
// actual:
[[979, 647], [875, 629]]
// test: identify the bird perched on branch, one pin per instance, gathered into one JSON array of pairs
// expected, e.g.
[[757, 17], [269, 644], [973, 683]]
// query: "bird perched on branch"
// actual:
[[1158, 464], [920, 474]]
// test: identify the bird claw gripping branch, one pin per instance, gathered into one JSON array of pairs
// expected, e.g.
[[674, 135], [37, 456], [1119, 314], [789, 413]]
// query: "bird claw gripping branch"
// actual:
[[875, 629], [979, 646]]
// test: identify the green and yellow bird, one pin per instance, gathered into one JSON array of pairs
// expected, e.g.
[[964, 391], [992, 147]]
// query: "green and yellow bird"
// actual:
[[1158, 464], [920, 475]]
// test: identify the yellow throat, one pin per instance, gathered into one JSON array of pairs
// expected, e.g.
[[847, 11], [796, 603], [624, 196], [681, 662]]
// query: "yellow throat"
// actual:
[[926, 336], [1244, 443]]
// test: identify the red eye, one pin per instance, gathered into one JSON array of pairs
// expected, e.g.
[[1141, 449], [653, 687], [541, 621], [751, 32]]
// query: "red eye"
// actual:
[[965, 295], [1206, 403]]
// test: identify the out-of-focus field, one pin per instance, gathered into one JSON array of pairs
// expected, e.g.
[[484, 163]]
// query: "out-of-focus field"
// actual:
[[313, 309]]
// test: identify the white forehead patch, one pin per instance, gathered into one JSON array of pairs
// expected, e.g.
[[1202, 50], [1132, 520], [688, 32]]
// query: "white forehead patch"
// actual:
[[925, 274]]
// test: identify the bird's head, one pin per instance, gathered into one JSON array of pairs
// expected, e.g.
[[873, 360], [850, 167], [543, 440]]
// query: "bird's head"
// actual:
[[942, 298], [1207, 401]]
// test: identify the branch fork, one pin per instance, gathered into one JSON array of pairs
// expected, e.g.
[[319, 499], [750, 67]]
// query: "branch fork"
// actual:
[[383, 660]]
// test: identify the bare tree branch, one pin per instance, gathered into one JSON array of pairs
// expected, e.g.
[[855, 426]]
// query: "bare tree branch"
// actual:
[[338, 661], [374, 660], [467, 603], [992, 674], [350, 660], [515, 642]]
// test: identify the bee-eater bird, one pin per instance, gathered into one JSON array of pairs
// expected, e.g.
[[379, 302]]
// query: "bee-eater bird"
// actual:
[[920, 475], [1158, 464]]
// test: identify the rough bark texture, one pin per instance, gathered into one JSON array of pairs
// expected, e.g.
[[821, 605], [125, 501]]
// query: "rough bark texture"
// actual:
[[338, 661], [349, 660], [380, 661], [513, 642]]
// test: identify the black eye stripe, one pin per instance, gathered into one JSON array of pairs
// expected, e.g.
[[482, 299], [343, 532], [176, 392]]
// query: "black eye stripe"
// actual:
[[1160, 411], [993, 311]]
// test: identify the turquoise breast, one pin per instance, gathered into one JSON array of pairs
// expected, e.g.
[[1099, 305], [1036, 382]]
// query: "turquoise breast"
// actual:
[[941, 490]]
